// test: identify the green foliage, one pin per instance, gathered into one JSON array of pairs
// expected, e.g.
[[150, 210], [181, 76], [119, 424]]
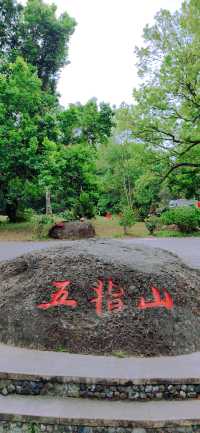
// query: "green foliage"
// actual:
[[87, 123], [24, 152], [38, 35], [85, 206], [127, 218], [26, 215], [82, 156], [163, 122], [175, 234], [77, 186], [42, 224], [29, 215], [152, 224], [166, 113], [34, 129], [46, 219], [45, 39], [33, 428], [9, 25], [186, 218], [67, 215]]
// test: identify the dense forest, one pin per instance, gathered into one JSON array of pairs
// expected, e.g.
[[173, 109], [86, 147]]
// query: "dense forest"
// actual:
[[91, 159]]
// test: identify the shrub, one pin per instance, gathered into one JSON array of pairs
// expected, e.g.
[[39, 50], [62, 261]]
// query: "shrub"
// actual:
[[85, 206], [46, 219], [68, 215], [186, 218], [41, 225], [198, 216], [29, 215], [127, 218], [152, 223]]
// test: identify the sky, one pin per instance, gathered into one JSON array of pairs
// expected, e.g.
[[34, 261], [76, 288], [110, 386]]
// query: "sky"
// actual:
[[101, 51]]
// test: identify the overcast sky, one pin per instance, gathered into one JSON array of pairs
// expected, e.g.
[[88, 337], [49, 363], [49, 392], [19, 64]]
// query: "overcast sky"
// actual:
[[102, 47]]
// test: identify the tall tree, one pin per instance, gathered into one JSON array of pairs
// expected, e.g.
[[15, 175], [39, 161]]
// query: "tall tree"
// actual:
[[9, 25], [87, 123], [24, 150], [166, 114], [45, 38], [38, 35]]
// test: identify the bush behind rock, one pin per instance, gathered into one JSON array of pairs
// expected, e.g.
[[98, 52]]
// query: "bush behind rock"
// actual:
[[186, 218]]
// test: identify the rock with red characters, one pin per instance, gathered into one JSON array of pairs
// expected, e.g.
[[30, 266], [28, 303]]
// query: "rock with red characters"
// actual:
[[101, 296]]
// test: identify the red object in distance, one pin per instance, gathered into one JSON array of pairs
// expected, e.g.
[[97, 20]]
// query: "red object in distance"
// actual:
[[114, 297], [60, 297], [167, 302], [108, 216]]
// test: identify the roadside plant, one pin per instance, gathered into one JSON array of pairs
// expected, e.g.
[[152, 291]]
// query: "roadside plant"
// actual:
[[68, 215], [152, 223], [186, 218], [127, 219]]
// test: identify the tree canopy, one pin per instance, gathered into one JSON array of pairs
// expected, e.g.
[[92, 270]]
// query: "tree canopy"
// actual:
[[168, 100], [90, 156], [44, 147], [38, 35], [156, 142]]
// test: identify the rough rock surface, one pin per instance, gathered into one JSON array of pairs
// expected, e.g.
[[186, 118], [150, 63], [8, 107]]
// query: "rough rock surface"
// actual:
[[26, 282], [72, 230]]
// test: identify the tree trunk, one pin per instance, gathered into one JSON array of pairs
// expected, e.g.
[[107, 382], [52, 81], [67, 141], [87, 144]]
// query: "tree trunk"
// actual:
[[11, 212], [48, 203], [125, 230]]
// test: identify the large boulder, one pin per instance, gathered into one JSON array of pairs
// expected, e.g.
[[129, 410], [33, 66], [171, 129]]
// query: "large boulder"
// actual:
[[72, 230], [101, 296]]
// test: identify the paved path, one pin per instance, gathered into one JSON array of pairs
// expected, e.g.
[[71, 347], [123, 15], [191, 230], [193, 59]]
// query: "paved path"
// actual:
[[99, 413], [26, 362], [188, 249], [11, 249]]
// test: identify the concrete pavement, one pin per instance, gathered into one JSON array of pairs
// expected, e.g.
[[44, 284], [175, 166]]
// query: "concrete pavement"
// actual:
[[99, 413], [25, 362], [188, 249]]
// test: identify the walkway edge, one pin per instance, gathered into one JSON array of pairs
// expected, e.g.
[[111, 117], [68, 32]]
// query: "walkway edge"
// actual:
[[25, 364], [109, 414]]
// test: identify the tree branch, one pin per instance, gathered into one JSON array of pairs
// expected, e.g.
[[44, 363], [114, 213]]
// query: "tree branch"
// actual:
[[181, 164], [195, 143]]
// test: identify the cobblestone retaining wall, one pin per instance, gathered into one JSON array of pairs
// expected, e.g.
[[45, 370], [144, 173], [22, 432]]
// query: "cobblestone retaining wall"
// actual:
[[128, 391], [6, 427]]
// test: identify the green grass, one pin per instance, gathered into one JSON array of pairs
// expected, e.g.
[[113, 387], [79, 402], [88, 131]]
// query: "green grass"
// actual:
[[111, 228], [25, 231], [120, 354], [175, 234]]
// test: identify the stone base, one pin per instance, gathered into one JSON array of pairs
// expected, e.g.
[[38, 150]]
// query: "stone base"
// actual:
[[101, 391], [7, 427]]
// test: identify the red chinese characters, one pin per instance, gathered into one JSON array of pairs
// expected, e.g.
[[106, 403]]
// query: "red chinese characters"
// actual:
[[166, 302], [60, 297], [110, 296], [113, 297]]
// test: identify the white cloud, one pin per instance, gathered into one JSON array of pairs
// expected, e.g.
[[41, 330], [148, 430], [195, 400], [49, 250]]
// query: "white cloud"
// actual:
[[102, 47]]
